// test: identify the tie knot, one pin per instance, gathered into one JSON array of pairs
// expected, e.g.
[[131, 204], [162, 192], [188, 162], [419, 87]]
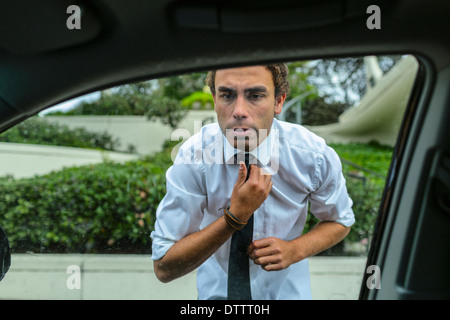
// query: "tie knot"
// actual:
[[247, 158]]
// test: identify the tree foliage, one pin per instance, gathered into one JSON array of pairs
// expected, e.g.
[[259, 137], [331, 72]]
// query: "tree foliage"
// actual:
[[343, 80], [333, 85], [159, 99]]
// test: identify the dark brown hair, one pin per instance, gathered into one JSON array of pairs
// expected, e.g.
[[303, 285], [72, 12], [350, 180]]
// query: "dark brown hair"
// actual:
[[279, 75]]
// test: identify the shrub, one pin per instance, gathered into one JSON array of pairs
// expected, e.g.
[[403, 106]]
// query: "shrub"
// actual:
[[203, 98], [95, 208], [111, 207], [375, 158], [36, 130]]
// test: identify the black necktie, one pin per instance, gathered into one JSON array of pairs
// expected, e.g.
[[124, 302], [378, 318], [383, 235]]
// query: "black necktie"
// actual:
[[238, 265]]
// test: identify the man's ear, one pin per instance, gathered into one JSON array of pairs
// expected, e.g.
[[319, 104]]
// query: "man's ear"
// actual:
[[279, 101]]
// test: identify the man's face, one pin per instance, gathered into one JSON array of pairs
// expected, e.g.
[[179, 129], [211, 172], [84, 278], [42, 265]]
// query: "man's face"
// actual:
[[245, 104]]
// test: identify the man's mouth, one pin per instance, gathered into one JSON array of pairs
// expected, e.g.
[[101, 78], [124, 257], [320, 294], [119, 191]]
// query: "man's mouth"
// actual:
[[241, 131]]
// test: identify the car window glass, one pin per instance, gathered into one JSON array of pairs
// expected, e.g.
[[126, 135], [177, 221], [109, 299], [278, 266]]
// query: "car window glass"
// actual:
[[80, 182]]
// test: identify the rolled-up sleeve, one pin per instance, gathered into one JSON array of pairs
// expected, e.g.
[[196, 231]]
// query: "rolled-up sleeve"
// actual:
[[330, 200], [180, 213]]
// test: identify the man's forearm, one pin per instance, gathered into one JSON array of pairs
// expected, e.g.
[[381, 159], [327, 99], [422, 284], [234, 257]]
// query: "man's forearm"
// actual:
[[191, 251], [274, 254], [322, 236]]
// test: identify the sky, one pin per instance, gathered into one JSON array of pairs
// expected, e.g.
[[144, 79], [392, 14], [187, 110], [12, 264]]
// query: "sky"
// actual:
[[66, 106]]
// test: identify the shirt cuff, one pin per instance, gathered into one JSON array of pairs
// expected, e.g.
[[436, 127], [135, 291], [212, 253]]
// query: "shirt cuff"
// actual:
[[348, 220], [160, 246]]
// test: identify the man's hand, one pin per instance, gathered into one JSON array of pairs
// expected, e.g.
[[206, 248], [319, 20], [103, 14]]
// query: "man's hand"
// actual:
[[272, 254], [248, 195]]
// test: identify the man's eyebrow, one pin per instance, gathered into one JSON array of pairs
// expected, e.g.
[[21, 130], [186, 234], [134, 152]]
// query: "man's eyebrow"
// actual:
[[225, 89], [256, 89], [247, 90]]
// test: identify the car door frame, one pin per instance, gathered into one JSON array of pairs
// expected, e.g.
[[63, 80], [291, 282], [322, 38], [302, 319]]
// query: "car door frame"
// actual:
[[411, 243]]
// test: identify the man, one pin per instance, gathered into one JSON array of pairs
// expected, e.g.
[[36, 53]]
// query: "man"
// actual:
[[208, 201]]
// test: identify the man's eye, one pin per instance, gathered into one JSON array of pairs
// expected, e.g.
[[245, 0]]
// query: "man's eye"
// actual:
[[227, 96], [255, 96]]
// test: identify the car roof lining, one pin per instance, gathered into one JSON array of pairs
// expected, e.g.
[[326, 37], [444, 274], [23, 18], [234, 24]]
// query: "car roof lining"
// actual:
[[122, 51]]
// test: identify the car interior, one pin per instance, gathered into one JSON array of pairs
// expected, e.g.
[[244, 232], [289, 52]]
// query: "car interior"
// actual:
[[51, 54]]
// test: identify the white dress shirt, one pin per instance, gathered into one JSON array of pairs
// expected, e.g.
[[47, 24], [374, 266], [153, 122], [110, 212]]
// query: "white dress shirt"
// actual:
[[199, 185]]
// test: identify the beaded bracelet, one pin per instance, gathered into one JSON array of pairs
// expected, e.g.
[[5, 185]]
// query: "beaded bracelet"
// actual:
[[233, 221]]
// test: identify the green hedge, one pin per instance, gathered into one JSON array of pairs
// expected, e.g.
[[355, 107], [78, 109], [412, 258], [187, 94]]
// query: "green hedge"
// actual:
[[367, 190], [37, 130], [104, 208], [110, 207]]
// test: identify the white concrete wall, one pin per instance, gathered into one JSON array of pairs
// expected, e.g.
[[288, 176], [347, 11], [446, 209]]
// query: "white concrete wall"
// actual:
[[147, 136], [26, 160], [45, 276]]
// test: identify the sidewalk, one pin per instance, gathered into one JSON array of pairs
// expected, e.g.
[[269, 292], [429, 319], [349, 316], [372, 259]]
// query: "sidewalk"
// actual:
[[52, 276]]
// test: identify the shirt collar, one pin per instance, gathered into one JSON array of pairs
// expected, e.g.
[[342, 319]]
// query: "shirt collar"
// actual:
[[263, 152]]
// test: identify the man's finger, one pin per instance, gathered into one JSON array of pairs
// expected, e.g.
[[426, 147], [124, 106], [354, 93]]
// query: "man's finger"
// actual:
[[272, 267], [242, 174], [258, 244], [259, 255]]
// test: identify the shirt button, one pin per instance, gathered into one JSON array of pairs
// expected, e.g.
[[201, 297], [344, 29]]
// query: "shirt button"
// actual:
[[256, 235]]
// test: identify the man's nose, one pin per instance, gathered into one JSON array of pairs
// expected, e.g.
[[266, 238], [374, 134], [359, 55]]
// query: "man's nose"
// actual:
[[240, 108]]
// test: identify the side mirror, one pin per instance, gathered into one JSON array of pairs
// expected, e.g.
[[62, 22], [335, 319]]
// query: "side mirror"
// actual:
[[5, 254]]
